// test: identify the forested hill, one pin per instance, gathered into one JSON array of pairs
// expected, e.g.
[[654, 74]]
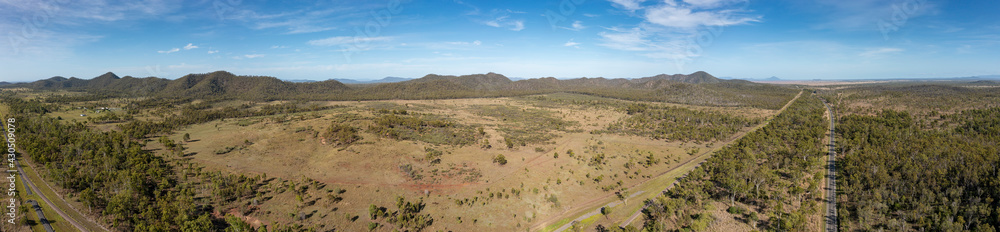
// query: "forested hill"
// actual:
[[698, 88]]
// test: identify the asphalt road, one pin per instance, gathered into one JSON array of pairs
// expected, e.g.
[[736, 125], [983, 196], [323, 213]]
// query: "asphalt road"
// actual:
[[47, 201], [831, 189], [41, 216]]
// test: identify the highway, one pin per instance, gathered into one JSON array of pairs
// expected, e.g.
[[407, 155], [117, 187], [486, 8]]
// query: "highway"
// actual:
[[831, 182], [32, 187], [41, 216]]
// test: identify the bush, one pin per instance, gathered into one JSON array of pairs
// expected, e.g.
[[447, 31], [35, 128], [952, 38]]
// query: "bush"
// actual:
[[340, 134], [736, 210], [554, 200], [500, 159]]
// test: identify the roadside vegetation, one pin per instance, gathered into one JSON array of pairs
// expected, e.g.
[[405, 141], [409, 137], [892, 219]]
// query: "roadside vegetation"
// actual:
[[932, 167]]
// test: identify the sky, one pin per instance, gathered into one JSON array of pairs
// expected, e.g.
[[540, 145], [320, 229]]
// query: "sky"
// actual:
[[365, 40]]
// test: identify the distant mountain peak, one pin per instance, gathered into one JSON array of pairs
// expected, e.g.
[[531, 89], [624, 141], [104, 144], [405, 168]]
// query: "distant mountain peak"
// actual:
[[107, 76], [56, 78], [693, 78]]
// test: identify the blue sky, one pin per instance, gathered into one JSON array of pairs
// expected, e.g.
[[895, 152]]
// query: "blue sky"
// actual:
[[790, 39]]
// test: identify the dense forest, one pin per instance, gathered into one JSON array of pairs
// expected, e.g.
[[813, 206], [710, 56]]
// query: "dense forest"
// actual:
[[897, 176], [678, 124], [769, 178], [698, 88]]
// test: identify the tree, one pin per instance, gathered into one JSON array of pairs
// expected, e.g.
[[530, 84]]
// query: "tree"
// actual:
[[500, 159], [203, 223], [187, 137], [622, 195], [237, 225], [605, 211]]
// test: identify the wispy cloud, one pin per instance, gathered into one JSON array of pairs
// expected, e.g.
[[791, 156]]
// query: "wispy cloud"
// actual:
[[880, 51], [248, 56], [213, 51], [576, 26], [506, 23], [570, 43], [668, 30], [341, 40], [462, 43], [680, 16], [473, 10], [499, 18], [190, 46], [169, 51], [631, 5]]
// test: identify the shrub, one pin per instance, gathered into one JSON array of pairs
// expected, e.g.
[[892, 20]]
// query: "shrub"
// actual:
[[500, 159], [736, 210], [340, 134]]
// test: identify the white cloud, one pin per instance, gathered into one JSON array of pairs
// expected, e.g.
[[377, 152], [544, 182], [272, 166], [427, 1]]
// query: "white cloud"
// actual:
[[213, 51], [277, 46], [248, 56], [626, 40], [505, 22], [169, 51], [629, 4], [674, 29], [190, 46], [570, 43], [880, 51], [517, 25], [710, 3], [341, 40], [308, 29], [683, 17], [576, 26]]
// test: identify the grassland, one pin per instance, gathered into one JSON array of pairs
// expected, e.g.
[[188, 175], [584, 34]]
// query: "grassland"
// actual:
[[283, 167], [555, 163]]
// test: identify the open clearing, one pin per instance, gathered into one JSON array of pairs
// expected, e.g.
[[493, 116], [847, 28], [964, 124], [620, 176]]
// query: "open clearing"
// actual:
[[456, 177]]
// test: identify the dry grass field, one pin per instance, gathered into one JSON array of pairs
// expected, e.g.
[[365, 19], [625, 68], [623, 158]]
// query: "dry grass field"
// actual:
[[557, 160]]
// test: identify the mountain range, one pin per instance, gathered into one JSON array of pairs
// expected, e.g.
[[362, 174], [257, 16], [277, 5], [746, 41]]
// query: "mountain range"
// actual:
[[697, 88]]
